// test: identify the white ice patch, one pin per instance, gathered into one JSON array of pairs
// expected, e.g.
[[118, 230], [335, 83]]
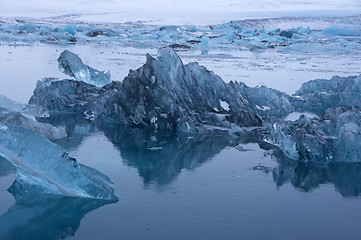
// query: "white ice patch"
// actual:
[[263, 108], [3, 128], [293, 116], [153, 120], [155, 148], [224, 105]]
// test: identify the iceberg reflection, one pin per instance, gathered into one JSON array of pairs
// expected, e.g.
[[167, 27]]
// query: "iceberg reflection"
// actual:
[[160, 156], [6, 167], [346, 177], [45, 216]]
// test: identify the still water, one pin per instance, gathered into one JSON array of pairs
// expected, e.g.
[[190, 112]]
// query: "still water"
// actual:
[[177, 186], [185, 187]]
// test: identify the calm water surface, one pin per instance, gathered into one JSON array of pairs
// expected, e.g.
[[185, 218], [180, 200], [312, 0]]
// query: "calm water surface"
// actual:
[[186, 187], [177, 186]]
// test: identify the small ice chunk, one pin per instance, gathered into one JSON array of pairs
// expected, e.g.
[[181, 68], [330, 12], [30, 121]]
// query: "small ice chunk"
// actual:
[[154, 148], [263, 108], [337, 31]]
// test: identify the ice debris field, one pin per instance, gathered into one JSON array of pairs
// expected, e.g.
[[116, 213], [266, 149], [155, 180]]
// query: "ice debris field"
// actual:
[[313, 34]]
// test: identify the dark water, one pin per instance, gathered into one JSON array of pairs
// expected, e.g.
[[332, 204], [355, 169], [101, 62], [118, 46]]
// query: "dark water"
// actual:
[[177, 186]]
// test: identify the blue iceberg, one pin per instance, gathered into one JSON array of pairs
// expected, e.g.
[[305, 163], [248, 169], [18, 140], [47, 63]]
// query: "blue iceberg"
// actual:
[[334, 137], [44, 167]]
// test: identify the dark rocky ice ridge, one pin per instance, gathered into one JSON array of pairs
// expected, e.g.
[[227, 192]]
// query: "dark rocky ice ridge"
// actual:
[[163, 93]]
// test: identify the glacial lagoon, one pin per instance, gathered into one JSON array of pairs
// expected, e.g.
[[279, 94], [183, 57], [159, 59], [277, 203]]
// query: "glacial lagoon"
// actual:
[[183, 185]]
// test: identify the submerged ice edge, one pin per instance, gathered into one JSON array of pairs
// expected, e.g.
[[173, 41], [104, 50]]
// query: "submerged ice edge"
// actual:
[[44, 167], [340, 35]]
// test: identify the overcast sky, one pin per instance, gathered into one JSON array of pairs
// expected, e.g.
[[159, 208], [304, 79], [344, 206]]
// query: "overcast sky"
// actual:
[[152, 9]]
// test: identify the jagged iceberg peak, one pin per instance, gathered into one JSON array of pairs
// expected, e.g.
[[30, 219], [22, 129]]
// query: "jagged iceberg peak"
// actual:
[[166, 93], [72, 65], [44, 167]]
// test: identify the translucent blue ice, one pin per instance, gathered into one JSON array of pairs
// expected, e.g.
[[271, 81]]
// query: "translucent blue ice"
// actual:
[[72, 65], [44, 167]]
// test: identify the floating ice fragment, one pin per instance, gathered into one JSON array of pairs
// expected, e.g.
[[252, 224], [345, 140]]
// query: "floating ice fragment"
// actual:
[[336, 31], [72, 65]]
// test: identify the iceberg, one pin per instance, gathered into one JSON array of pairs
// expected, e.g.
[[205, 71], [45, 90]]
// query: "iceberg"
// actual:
[[72, 65], [163, 93], [334, 137], [320, 94], [302, 140], [45, 129], [44, 167], [177, 96], [337, 31], [64, 96]]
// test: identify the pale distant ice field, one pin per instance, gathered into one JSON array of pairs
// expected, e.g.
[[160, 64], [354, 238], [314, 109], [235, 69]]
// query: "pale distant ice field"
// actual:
[[176, 11]]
